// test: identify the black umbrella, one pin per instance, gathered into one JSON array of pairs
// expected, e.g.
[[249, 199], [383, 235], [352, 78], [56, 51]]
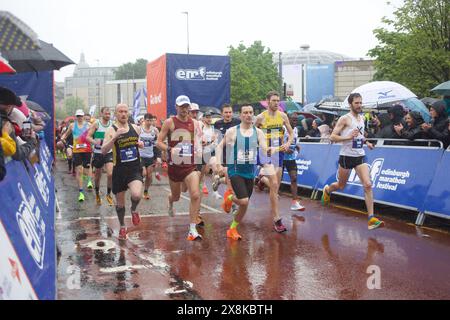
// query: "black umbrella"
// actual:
[[213, 110], [428, 101], [44, 59], [16, 35], [34, 106]]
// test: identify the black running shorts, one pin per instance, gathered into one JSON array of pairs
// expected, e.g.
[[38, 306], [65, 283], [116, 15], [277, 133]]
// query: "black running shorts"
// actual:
[[82, 159], [242, 187], [290, 165], [99, 160], [123, 175], [147, 162], [351, 162]]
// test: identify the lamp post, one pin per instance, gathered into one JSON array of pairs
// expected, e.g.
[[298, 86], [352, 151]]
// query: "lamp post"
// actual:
[[187, 28]]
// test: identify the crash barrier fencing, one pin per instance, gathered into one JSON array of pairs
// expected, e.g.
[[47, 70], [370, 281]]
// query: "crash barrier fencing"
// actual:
[[27, 229], [415, 177]]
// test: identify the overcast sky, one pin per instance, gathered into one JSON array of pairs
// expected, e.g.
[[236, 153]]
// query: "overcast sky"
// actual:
[[112, 32]]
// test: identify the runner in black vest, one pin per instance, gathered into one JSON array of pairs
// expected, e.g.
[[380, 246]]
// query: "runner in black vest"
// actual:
[[123, 138]]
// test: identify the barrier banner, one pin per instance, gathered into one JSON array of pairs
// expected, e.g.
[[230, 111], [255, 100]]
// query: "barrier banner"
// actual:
[[310, 164], [400, 176], [27, 217], [156, 88], [438, 198]]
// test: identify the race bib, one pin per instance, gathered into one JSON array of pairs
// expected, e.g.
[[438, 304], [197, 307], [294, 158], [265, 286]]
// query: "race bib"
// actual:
[[147, 143], [248, 156], [128, 154], [275, 142], [358, 143], [81, 146], [186, 150]]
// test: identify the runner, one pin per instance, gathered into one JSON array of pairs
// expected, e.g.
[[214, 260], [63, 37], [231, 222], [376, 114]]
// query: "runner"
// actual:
[[67, 145], [123, 138], [96, 136], [243, 142], [149, 158], [350, 131], [223, 125], [183, 134], [290, 163], [273, 122], [81, 150]]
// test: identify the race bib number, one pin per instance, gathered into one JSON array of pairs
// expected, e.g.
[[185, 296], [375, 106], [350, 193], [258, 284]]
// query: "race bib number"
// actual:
[[186, 150], [358, 143], [128, 154], [275, 142], [248, 156], [81, 146], [147, 143]]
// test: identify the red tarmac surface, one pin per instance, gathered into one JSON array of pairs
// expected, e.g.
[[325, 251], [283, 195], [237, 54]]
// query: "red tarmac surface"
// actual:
[[325, 254]]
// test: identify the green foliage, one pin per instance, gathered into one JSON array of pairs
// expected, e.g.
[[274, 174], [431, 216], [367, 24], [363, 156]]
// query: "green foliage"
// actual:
[[253, 73], [71, 105], [415, 48], [136, 70]]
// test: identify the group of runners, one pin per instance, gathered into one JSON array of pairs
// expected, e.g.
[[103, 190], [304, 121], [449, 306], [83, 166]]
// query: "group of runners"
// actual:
[[234, 150]]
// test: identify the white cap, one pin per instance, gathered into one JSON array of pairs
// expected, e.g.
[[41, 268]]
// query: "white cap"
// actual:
[[139, 118], [79, 113], [194, 107], [182, 100]]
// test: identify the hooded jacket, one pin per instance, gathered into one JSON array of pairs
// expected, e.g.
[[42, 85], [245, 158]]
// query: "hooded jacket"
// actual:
[[440, 123], [415, 131], [388, 132]]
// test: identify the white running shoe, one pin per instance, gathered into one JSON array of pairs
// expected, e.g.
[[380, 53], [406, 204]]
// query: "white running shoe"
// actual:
[[296, 206]]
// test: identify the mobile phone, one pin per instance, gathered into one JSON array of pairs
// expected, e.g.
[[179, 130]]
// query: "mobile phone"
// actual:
[[26, 128]]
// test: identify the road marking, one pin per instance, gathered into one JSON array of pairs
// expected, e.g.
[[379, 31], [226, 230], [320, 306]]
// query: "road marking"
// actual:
[[201, 204], [349, 209]]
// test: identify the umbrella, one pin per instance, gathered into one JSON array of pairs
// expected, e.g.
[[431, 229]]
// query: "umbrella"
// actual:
[[5, 67], [411, 104], [429, 101], [34, 106], [16, 35], [45, 59], [442, 89], [379, 92], [213, 110], [314, 109], [290, 106]]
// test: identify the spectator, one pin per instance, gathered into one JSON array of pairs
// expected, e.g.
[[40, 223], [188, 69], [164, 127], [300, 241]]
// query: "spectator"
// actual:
[[306, 126], [314, 131], [439, 124], [395, 114], [2, 164], [413, 130], [325, 132]]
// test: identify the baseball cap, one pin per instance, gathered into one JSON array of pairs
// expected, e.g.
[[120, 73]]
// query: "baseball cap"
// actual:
[[182, 100], [8, 97], [207, 114], [194, 107], [79, 113]]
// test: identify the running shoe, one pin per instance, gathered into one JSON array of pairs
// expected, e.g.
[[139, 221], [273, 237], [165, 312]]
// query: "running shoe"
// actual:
[[296, 206], [205, 190], [375, 223], [164, 166], [216, 183], [325, 196], [233, 234], [157, 176], [279, 227], [192, 236], [200, 222], [227, 201], [123, 233], [90, 185], [146, 196], [81, 197], [98, 200], [109, 199], [135, 218]]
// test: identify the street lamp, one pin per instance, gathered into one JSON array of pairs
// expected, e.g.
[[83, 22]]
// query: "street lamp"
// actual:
[[187, 28]]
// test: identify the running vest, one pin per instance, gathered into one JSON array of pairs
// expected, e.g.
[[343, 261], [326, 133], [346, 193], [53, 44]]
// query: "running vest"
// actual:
[[80, 143], [245, 153], [100, 134], [181, 140], [125, 148], [273, 127], [149, 140], [293, 146], [354, 147]]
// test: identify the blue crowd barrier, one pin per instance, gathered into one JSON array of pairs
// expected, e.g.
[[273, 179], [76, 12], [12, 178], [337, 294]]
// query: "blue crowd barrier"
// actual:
[[27, 230], [401, 175], [437, 202]]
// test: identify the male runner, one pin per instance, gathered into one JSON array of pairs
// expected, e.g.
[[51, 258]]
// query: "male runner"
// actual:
[[243, 142], [82, 150], [67, 145], [350, 131], [123, 138], [184, 145], [273, 122], [96, 137], [148, 136]]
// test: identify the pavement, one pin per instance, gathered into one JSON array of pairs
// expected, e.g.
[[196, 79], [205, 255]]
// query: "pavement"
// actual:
[[327, 253]]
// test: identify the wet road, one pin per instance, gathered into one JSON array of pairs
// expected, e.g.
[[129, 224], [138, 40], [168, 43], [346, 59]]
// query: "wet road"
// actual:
[[328, 253]]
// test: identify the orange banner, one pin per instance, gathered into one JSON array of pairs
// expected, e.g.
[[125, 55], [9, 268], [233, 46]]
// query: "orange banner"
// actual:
[[157, 89]]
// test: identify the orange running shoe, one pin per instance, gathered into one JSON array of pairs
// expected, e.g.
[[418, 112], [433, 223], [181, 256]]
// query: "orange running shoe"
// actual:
[[227, 200], [146, 195], [233, 234], [205, 190]]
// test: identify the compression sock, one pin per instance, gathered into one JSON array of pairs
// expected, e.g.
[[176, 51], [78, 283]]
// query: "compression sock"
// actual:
[[121, 215]]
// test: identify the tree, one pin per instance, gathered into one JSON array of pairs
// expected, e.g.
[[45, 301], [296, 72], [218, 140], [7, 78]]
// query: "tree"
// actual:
[[253, 73], [415, 51], [137, 70], [71, 105]]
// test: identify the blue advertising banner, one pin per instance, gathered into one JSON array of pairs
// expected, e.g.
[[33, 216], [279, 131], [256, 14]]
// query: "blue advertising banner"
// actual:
[[310, 164], [400, 176], [319, 82], [438, 198], [204, 79], [37, 87], [27, 215]]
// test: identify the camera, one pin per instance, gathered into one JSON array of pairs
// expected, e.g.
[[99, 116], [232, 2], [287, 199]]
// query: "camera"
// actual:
[[26, 129]]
